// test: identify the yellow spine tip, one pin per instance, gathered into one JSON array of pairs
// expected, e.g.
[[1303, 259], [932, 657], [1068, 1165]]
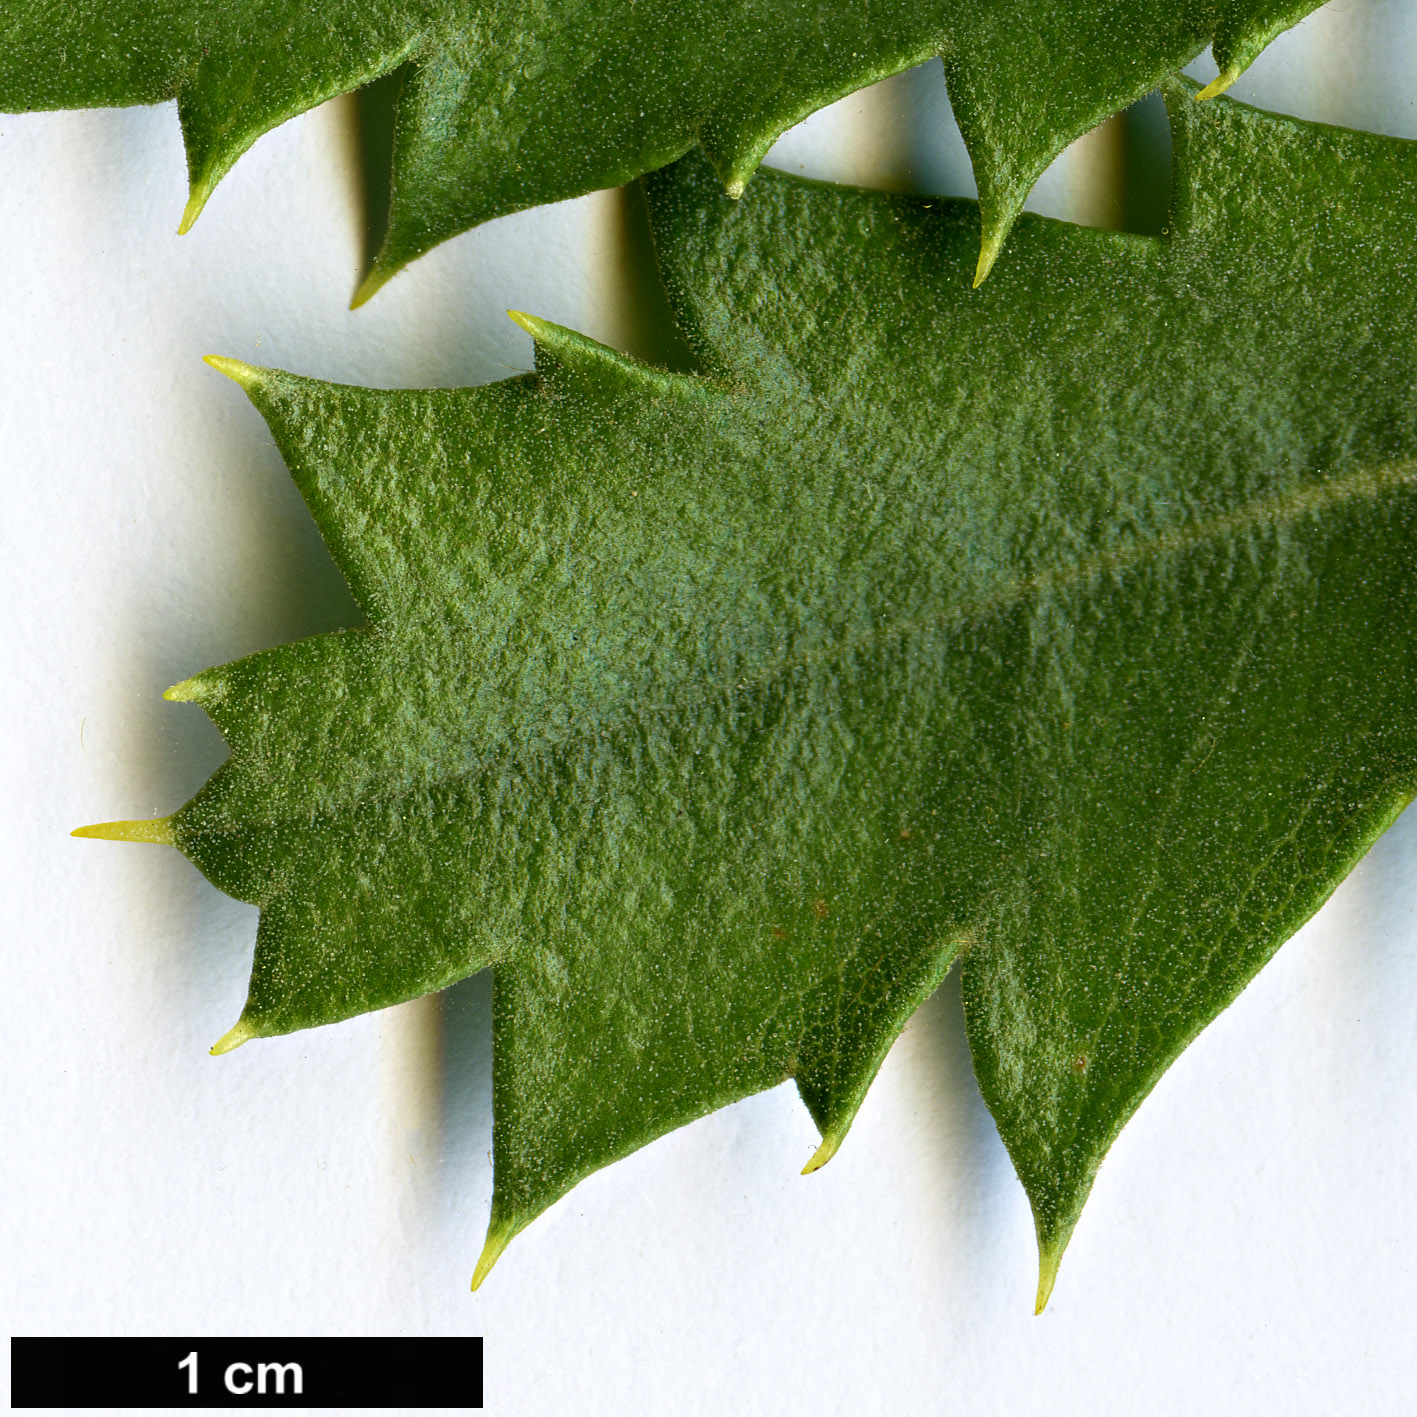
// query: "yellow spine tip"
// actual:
[[498, 1238], [157, 830], [184, 693], [370, 286], [247, 375], [988, 254], [734, 187], [823, 1153], [195, 202], [1218, 84], [1048, 1262], [233, 1038], [534, 327]]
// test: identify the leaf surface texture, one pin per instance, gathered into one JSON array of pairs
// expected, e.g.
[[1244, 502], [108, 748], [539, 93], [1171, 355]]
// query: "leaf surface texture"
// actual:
[[1066, 627]]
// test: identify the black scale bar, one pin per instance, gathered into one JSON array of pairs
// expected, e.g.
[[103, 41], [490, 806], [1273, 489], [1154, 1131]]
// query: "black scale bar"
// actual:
[[246, 1372]]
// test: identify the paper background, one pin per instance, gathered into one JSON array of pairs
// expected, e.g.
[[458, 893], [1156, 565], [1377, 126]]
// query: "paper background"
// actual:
[[1250, 1243]]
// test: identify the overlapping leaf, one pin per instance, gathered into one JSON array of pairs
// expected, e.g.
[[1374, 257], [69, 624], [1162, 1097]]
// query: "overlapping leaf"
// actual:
[[1069, 626], [507, 105]]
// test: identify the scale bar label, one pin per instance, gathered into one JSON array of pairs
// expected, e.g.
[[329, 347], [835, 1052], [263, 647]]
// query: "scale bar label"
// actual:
[[246, 1372]]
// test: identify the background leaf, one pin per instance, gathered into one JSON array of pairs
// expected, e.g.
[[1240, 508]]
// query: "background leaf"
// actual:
[[503, 107]]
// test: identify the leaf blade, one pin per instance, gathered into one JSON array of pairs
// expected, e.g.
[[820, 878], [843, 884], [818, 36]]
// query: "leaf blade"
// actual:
[[1070, 626]]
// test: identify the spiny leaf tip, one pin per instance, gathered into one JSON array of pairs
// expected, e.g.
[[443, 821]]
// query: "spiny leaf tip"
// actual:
[[499, 1236], [559, 339], [1049, 1258], [247, 375], [824, 1153], [233, 1038], [151, 829], [198, 192], [188, 691], [988, 253], [1218, 84], [535, 327], [370, 286]]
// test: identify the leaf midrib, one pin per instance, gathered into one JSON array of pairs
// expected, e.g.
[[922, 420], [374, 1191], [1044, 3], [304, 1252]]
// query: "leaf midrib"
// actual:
[[1267, 510]]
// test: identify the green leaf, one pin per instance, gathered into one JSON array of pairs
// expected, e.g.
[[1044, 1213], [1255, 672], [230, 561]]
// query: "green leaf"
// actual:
[[504, 108], [1069, 626]]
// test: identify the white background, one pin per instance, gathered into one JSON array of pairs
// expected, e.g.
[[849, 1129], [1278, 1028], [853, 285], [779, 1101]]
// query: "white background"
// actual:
[[1250, 1243]]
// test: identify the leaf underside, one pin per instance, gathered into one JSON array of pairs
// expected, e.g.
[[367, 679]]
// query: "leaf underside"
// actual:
[[505, 106], [1066, 627]]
